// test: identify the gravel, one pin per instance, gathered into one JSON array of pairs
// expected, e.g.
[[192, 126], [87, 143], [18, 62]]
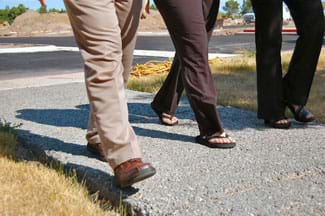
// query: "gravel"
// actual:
[[270, 172]]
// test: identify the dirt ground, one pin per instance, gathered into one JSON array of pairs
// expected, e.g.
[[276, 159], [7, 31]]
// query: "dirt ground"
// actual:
[[32, 23]]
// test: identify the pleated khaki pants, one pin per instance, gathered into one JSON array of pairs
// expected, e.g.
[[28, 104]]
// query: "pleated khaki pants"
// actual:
[[105, 32]]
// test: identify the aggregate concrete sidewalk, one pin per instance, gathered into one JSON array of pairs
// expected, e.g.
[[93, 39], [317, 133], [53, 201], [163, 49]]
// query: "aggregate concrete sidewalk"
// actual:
[[270, 172]]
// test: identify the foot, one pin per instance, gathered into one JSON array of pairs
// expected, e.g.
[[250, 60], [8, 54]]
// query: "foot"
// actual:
[[217, 141], [132, 171], [282, 123], [169, 120], [301, 114], [97, 150], [165, 118], [222, 138]]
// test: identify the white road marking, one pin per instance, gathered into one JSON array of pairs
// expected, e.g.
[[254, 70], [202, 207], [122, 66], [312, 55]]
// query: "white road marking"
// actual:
[[37, 49], [52, 48]]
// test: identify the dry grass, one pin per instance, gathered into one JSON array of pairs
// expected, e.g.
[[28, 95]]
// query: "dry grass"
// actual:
[[236, 83], [29, 188], [8, 139]]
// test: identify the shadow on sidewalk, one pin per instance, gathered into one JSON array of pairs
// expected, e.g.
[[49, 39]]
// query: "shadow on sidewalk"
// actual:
[[236, 119], [138, 113], [95, 179]]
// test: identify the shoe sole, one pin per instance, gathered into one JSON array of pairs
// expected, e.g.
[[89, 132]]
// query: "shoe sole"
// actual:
[[144, 174]]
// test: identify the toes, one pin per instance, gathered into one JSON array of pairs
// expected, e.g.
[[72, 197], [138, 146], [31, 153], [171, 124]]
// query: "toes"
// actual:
[[169, 119], [282, 121], [222, 140], [174, 119]]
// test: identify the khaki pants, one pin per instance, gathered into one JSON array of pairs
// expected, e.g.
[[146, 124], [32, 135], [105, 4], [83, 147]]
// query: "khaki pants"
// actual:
[[105, 32]]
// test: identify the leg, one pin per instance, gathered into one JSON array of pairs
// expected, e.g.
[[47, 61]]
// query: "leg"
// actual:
[[268, 59], [191, 41], [128, 14], [168, 96], [309, 19], [97, 33]]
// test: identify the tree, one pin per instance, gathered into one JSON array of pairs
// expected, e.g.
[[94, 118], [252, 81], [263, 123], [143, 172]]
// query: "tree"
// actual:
[[9, 14], [246, 7], [53, 10], [231, 7], [42, 9]]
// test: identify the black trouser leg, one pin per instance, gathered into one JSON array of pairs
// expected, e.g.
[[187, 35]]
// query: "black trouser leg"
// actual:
[[309, 19], [186, 23], [268, 39]]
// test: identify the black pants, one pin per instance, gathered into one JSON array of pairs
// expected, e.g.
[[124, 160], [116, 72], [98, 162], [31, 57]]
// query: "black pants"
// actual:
[[190, 22], [273, 90]]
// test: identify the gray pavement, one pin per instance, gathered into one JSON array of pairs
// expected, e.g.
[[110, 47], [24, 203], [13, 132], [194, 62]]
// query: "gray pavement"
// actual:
[[20, 65], [270, 172]]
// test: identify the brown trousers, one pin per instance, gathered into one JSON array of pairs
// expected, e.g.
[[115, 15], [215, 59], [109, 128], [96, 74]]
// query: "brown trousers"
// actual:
[[190, 23], [105, 32]]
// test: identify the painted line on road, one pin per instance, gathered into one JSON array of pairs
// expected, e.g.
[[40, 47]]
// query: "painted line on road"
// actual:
[[37, 49], [171, 54], [52, 48]]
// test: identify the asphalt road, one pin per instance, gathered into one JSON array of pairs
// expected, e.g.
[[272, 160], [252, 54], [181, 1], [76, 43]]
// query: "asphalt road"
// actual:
[[20, 65]]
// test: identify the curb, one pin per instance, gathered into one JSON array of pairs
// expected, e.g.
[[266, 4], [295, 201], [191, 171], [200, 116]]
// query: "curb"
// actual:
[[89, 178]]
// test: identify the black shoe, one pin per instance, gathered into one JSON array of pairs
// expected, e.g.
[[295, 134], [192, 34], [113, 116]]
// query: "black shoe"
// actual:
[[275, 123], [300, 113]]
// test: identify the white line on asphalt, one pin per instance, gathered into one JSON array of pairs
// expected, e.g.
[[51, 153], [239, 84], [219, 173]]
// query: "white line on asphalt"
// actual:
[[36, 49], [52, 48]]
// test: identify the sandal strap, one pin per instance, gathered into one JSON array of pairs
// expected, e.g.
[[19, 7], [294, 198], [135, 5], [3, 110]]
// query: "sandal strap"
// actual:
[[216, 135], [165, 115]]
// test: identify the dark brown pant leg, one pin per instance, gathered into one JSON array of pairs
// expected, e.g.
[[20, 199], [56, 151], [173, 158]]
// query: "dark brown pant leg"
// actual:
[[168, 96], [186, 23]]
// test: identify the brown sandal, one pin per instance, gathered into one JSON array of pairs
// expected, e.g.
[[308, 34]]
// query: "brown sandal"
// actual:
[[275, 123], [162, 116], [206, 140]]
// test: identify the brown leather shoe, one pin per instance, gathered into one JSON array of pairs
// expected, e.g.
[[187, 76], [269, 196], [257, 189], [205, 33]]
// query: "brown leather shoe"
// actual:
[[132, 171], [97, 150]]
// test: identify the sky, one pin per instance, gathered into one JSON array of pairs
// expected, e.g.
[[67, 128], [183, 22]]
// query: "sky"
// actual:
[[58, 4]]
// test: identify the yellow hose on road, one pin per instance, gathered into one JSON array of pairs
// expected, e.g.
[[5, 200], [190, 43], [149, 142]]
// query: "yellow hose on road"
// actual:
[[158, 67]]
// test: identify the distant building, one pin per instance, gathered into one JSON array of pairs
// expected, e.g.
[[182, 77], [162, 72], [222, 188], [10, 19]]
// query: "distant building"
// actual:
[[250, 17], [286, 13]]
